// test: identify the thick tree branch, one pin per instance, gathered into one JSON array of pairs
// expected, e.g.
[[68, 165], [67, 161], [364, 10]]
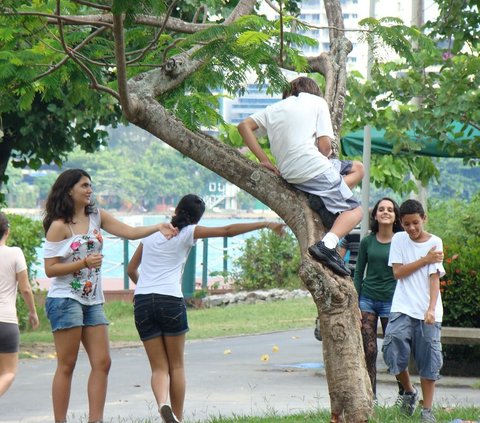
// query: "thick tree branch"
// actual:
[[244, 7], [125, 101]]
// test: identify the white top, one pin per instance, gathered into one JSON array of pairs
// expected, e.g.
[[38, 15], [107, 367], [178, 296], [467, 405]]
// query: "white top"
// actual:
[[12, 261], [292, 126], [163, 261], [412, 294], [85, 286]]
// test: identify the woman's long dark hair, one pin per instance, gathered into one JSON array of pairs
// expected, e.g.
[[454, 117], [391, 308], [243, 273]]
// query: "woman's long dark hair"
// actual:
[[189, 211], [397, 226], [59, 203]]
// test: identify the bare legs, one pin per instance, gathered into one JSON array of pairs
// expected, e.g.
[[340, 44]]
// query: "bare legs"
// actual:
[[67, 344], [355, 176], [8, 370], [346, 221], [428, 388], [95, 341], [166, 357]]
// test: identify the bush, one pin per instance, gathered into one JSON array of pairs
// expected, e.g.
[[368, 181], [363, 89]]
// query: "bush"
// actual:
[[268, 262], [458, 224], [27, 234]]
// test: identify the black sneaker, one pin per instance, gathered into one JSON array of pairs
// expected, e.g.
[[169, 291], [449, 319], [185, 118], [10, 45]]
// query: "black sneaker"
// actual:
[[329, 257]]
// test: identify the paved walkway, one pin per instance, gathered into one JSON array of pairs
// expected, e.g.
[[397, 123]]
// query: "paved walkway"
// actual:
[[250, 375]]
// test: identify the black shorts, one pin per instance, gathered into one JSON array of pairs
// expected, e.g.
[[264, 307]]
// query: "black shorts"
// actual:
[[9, 337], [160, 315]]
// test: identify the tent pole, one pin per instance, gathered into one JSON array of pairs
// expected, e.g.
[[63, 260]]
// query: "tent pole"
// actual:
[[418, 20], [367, 146], [367, 149]]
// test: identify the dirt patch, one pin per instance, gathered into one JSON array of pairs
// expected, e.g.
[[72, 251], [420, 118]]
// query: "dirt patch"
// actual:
[[36, 350]]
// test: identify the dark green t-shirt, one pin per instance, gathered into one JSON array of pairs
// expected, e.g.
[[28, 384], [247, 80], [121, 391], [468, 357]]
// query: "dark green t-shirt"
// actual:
[[377, 283]]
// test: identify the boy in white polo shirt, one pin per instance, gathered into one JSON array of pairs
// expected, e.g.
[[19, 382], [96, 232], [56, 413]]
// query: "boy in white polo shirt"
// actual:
[[299, 129], [416, 314]]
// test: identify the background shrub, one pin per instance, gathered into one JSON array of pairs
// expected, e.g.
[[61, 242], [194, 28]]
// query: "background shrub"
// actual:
[[458, 224], [267, 262]]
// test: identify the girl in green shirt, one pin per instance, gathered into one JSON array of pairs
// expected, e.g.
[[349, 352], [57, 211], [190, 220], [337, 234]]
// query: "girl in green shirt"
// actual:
[[374, 279]]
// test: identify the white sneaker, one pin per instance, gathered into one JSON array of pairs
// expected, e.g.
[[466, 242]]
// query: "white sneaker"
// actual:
[[167, 414], [427, 416]]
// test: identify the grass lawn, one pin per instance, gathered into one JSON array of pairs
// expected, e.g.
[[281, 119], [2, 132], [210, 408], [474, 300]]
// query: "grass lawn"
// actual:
[[381, 415], [204, 323]]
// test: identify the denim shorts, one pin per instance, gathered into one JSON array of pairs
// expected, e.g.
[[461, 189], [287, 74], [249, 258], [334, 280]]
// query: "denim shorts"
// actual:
[[378, 307], [9, 337], [405, 335], [67, 313], [160, 315]]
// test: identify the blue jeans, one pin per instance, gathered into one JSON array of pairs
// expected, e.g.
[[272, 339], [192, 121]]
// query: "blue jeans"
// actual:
[[66, 313], [160, 315]]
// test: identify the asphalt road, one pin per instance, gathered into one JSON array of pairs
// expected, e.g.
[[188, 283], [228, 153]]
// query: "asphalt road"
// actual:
[[280, 372]]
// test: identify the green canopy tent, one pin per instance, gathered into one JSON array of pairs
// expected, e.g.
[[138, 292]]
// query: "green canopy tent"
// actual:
[[459, 134]]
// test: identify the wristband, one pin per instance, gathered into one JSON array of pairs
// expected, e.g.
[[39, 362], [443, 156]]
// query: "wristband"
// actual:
[[85, 262]]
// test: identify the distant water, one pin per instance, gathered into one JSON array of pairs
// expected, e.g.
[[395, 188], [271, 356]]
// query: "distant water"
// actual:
[[113, 248]]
